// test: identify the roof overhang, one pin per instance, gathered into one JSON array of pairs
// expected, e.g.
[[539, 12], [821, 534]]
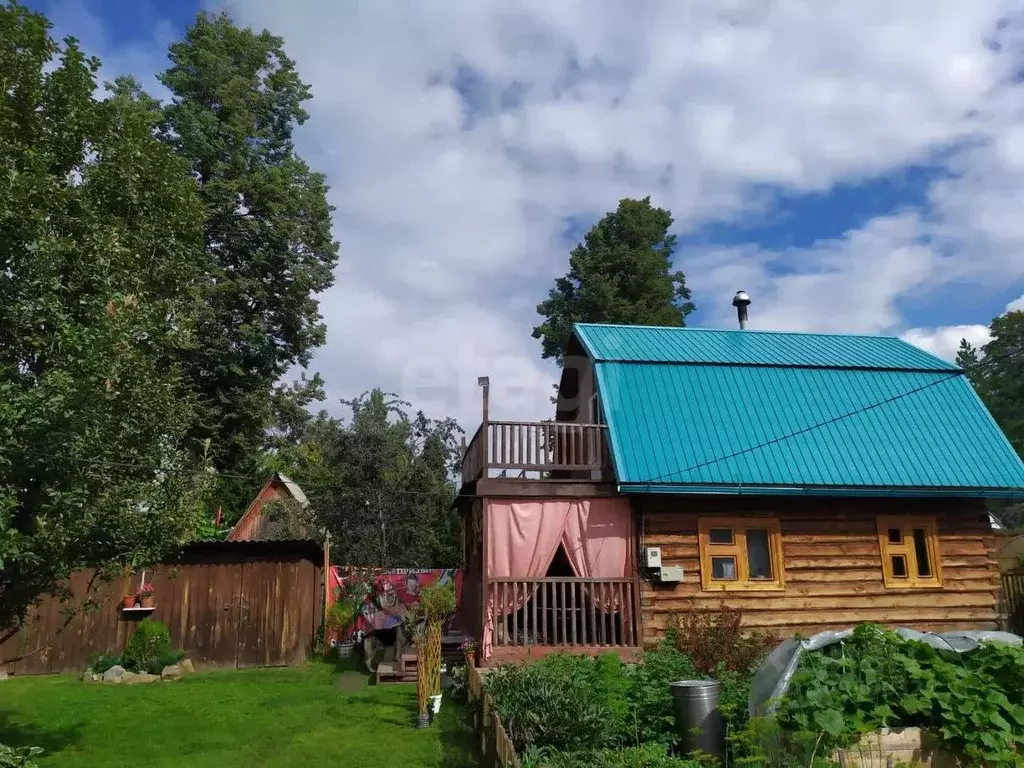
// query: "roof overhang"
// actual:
[[789, 490]]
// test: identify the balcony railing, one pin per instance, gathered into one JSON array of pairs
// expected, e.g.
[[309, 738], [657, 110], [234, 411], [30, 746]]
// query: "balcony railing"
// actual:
[[563, 612], [521, 447]]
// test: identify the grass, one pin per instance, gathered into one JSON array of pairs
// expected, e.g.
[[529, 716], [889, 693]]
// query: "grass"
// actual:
[[259, 717]]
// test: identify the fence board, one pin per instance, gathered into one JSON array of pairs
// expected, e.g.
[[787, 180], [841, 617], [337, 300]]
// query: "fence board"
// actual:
[[223, 605]]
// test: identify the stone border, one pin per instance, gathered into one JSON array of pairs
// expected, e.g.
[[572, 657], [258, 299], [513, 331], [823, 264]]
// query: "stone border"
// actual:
[[118, 674]]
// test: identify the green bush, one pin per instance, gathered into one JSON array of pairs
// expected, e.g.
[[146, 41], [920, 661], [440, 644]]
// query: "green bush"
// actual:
[[148, 646], [19, 757], [103, 662], [974, 701]]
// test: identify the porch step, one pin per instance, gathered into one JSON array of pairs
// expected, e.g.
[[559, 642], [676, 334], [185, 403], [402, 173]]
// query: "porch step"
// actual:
[[388, 672]]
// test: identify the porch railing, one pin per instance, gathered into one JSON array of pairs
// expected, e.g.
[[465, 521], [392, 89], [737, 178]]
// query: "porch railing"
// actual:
[[535, 446], [563, 612]]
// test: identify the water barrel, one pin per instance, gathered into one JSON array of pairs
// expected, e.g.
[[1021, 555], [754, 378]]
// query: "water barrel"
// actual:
[[699, 723]]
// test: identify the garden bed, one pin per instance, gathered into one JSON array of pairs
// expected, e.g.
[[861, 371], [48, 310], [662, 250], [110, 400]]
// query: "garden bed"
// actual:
[[872, 698]]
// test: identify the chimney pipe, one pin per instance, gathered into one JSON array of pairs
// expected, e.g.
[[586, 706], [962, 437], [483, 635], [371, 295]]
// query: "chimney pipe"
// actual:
[[741, 301]]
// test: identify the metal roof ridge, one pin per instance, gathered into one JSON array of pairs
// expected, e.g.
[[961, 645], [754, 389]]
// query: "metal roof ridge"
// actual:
[[952, 371], [752, 331]]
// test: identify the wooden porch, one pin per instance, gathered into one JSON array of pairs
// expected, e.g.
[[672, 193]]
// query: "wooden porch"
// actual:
[[532, 616]]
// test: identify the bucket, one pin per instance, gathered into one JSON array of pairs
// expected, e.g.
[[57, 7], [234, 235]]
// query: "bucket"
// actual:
[[699, 722]]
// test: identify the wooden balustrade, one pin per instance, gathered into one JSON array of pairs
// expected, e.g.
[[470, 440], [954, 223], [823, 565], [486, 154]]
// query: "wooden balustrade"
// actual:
[[537, 446], [563, 612]]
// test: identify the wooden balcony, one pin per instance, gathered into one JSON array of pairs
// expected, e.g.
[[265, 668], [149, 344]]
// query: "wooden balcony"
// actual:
[[541, 449], [587, 613]]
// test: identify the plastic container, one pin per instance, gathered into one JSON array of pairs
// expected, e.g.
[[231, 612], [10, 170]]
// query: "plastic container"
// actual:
[[699, 722]]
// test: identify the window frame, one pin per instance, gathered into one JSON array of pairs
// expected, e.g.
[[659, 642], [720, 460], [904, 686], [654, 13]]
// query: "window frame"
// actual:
[[738, 550], [907, 549]]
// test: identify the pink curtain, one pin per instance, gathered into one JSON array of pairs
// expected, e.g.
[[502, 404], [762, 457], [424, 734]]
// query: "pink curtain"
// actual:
[[523, 536], [597, 540]]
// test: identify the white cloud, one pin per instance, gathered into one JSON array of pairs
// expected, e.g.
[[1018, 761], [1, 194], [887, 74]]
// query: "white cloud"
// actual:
[[450, 212], [944, 341]]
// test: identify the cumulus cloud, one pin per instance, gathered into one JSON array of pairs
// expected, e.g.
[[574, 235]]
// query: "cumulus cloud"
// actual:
[[461, 138], [944, 341]]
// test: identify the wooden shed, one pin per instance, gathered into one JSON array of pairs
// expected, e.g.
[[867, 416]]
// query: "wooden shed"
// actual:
[[814, 481]]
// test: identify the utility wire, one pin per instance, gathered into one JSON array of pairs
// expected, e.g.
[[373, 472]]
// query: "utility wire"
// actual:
[[822, 424]]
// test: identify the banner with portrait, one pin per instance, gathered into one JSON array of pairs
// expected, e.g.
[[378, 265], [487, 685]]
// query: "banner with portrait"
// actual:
[[387, 595]]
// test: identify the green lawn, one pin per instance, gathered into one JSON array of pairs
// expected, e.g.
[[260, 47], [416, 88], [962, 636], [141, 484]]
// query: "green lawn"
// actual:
[[260, 717]]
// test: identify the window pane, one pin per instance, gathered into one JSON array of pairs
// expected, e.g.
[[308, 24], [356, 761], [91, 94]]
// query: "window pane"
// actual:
[[895, 536], [723, 568], [899, 566], [720, 536], [924, 566], [759, 554]]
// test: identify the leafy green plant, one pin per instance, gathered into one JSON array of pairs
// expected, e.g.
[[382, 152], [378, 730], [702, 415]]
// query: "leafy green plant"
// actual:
[[875, 679], [341, 614], [149, 644], [104, 661], [19, 757], [459, 689]]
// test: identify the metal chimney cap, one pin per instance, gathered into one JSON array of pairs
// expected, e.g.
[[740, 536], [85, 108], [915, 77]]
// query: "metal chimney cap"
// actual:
[[741, 299]]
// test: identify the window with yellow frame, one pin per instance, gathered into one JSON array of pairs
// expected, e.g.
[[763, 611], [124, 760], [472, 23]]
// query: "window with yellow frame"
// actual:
[[740, 554], [910, 552]]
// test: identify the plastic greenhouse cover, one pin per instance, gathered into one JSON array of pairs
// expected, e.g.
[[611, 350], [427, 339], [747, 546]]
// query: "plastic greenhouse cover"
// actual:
[[773, 676]]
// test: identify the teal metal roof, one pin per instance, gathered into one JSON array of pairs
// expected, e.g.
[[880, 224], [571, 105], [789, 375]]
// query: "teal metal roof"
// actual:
[[752, 412], [704, 345]]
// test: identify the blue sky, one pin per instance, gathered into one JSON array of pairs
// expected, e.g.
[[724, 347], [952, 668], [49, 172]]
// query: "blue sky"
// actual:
[[847, 176]]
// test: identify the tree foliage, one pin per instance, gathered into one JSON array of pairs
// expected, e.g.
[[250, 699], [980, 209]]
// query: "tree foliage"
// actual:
[[99, 291], [236, 101], [621, 273], [997, 374], [379, 482]]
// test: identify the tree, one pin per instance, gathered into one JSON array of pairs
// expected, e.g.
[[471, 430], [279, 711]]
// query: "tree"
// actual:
[[621, 273], [380, 483], [967, 358], [998, 378], [100, 232], [236, 100]]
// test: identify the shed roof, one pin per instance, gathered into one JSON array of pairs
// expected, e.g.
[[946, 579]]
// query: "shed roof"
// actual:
[[695, 410]]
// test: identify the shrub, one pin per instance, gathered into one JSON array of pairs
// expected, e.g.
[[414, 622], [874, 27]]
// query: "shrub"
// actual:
[[19, 757], [561, 701], [103, 662], [148, 645], [649, 693], [714, 639], [974, 702]]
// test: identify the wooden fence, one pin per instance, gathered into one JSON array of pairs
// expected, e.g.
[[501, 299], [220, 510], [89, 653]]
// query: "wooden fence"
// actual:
[[496, 747], [240, 604]]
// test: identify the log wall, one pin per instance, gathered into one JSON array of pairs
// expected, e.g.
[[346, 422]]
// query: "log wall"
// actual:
[[833, 564]]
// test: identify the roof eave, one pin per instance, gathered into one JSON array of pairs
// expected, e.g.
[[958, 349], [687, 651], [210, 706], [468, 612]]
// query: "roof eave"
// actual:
[[811, 490]]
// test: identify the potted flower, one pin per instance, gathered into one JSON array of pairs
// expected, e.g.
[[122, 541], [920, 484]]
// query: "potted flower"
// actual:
[[127, 596], [145, 595], [468, 649], [339, 617]]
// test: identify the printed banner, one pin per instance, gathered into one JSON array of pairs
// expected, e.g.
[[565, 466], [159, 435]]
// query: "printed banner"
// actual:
[[391, 593]]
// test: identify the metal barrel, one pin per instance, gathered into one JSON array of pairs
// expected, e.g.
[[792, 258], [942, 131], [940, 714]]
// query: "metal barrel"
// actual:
[[699, 722]]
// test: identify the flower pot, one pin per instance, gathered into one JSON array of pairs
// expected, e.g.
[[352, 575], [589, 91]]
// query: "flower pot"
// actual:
[[471, 658], [128, 601], [149, 602], [344, 649]]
